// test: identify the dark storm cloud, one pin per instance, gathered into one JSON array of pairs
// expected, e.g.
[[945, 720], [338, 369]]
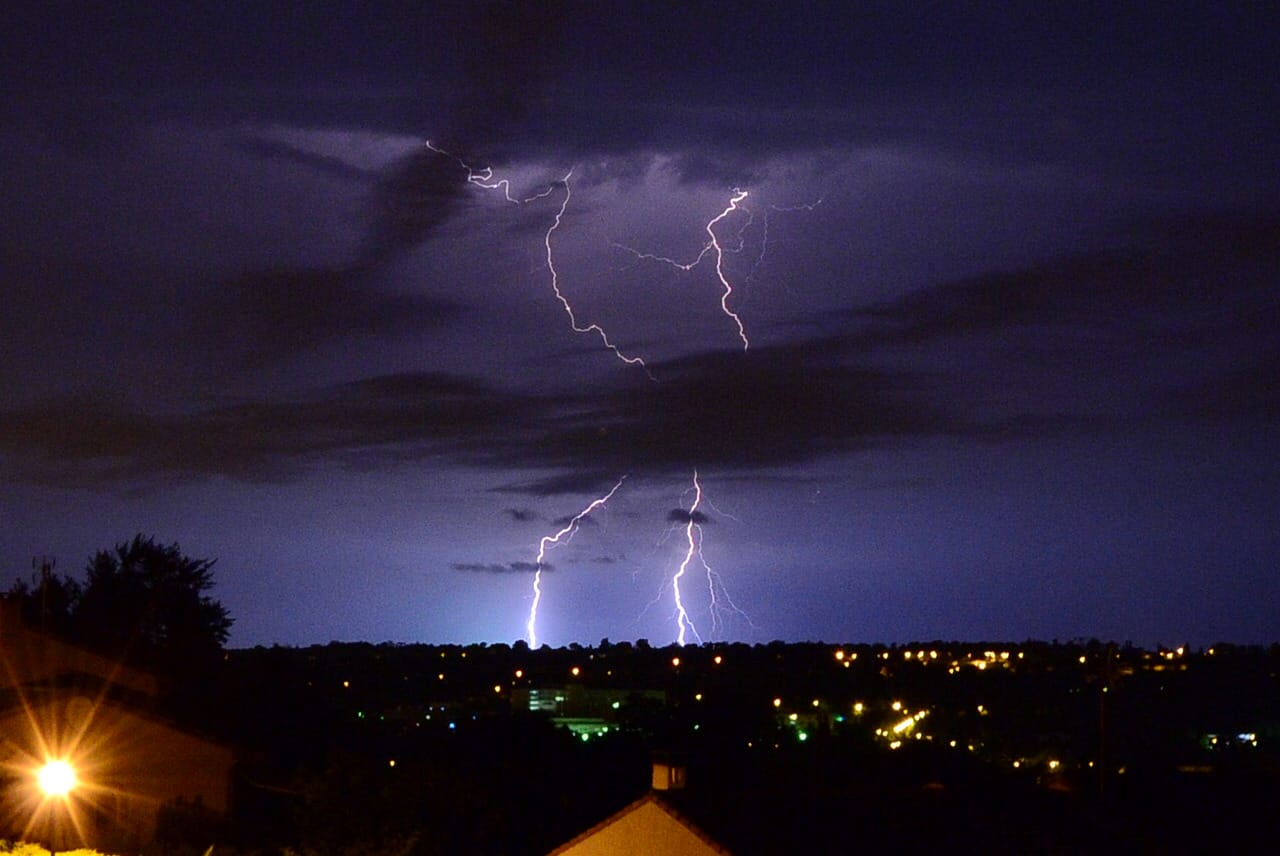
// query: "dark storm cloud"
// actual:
[[409, 200], [681, 515], [521, 515], [1174, 289], [395, 417], [731, 91], [774, 405], [203, 58], [731, 411], [1249, 391], [1179, 278], [281, 151], [501, 79], [496, 568], [586, 478], [279, 313], [584, 520], [735, 412], [1172, 298], [466, 71]]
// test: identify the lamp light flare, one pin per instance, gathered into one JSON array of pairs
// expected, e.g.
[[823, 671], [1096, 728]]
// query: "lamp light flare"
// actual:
[[57, 778], [483, 178], [548, 541]]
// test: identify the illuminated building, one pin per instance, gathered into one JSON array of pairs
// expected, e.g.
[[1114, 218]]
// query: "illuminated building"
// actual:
[[585, 712]]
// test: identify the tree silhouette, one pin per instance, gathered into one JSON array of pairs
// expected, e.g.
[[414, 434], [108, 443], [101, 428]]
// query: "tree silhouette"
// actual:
[[147, 602], [48, 602]]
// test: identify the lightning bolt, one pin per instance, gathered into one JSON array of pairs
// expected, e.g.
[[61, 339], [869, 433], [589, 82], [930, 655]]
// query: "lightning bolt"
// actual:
[[711, 247], [718, 243], [738, 196], [483, 178], [564, 301], [549, 541], [683, 622], [716, 590], [764, 234]]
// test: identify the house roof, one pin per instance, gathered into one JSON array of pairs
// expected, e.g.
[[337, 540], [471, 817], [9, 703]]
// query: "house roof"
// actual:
[[30, 656], [628, 827]]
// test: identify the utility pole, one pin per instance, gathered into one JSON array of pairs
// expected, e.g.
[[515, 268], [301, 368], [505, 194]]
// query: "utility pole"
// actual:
[[1102, 718], [45, 564]]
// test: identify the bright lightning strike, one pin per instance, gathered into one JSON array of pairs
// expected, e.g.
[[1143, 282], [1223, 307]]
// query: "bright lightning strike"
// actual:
[[483, 178], [739, 195], [683, 621], [713, 246], [555, 286], [549, 541], [716, 590], [764, 235]]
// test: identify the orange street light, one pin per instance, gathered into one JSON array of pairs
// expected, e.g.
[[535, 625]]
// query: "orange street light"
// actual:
[[57, 778]]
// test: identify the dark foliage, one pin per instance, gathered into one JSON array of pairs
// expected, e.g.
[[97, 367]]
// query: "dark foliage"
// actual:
[[147, 602], [142, 602]]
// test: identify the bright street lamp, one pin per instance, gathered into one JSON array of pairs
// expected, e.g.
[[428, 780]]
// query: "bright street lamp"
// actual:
[[56, 778]]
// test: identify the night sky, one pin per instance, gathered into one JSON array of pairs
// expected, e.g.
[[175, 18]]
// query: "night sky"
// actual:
[[1006, 273]]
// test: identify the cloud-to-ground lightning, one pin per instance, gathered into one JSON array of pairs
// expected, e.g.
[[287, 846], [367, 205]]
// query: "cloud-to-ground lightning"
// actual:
[[683, 622], [483, 178], [715, 585], [716, 246], [548, 541]]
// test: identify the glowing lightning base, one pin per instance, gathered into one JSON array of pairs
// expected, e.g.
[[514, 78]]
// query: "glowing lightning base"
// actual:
[[548, 541]]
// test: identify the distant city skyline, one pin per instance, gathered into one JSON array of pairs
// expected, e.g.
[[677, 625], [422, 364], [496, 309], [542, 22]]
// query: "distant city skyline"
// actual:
[[965, 319]]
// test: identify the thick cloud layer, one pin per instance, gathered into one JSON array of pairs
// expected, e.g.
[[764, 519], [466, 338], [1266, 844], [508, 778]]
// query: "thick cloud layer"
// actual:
[[1008, 276]]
